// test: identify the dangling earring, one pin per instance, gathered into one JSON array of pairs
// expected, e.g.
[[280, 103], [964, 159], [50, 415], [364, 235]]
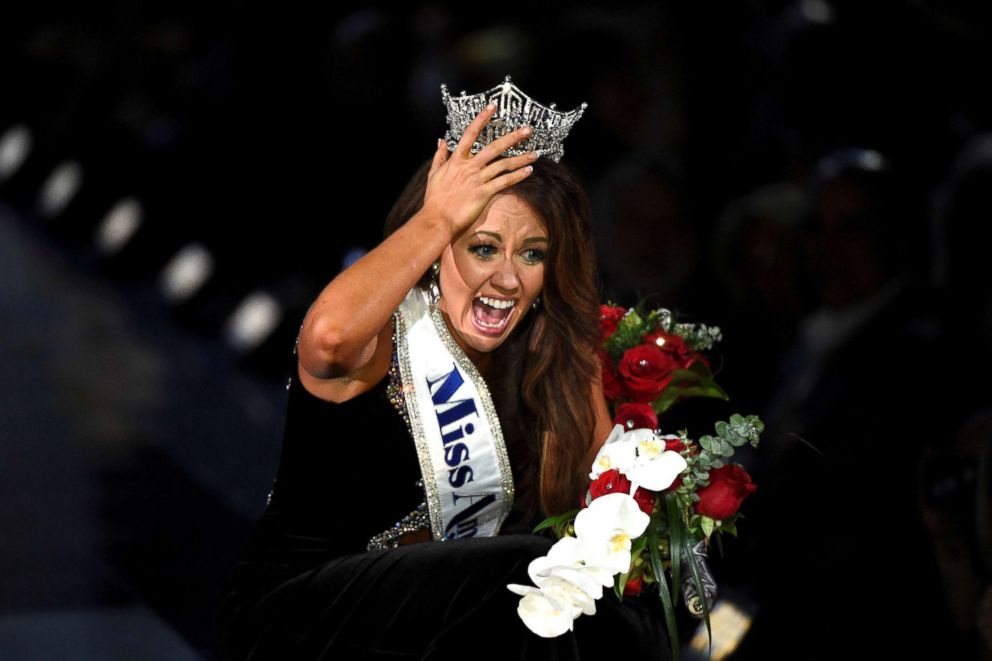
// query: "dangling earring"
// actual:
[[536, 303], [434, 289]]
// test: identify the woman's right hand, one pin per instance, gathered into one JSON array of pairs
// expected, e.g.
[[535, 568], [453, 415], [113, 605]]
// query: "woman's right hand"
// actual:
[[460, 185]]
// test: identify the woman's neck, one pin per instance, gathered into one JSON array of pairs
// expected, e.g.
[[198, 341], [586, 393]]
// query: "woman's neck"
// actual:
[[481, 359]]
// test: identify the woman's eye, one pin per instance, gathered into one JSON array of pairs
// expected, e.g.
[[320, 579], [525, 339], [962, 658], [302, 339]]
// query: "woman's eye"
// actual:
[[484, 250], [533, 255]]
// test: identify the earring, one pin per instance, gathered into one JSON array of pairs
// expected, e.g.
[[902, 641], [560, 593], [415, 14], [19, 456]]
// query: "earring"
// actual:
[[434, 289], [536, 303]]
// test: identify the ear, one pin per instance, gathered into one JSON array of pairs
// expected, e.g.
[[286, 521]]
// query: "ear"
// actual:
[[536, 333]]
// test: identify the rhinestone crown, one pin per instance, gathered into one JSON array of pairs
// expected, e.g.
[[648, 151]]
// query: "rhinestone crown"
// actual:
[[513, 110]]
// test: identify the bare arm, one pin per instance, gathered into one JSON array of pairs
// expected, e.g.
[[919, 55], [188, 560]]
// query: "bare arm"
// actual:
[[340, 331]]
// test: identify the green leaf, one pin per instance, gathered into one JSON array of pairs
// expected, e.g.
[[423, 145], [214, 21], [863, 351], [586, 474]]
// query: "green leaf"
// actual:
[[677, 533], [639, 544], [708, 525], [671, 394], [664, 594], [556, 520]]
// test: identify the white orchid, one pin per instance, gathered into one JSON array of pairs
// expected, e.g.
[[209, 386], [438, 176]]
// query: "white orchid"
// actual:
[[571, 577], [605, 529], [542, 613], [639, 454], [658, 472], [616, 453]]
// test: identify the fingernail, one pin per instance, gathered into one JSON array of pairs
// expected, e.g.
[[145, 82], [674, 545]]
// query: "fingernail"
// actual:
[[527, 130], [491, 106]]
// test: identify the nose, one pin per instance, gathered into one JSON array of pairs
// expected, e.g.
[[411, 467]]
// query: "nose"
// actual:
[[505, 277]]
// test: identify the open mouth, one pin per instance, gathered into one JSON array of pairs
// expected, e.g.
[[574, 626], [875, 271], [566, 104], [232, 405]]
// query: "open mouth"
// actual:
[[492, 315]]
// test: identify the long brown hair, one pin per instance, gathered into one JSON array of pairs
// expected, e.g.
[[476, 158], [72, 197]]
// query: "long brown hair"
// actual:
[[547, 389]]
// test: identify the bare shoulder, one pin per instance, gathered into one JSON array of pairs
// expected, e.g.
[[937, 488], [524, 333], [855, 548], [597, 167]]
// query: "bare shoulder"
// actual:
[[347, 387]]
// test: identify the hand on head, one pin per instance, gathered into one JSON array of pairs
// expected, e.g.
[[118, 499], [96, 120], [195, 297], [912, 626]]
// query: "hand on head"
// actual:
[[460, 185]]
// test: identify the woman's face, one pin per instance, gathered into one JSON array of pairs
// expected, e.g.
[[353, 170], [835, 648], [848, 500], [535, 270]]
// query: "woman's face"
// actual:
[[492, 273]]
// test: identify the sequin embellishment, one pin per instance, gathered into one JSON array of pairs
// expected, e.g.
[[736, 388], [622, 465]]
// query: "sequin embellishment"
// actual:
[[418, 519]]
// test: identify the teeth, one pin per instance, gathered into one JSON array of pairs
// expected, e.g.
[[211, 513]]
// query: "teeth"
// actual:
[[497, 303], [499, 325]]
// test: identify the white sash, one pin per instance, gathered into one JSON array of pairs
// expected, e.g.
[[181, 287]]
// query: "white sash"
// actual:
[[463, 459]]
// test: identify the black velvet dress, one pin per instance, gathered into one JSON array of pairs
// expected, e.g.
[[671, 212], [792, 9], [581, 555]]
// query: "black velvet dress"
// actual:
[[304, 586]]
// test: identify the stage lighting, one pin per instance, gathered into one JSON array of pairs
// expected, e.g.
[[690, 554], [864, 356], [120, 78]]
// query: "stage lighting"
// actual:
[[253, 321], [15, 147], [186, 273], [730, 620], [119, 225], [351, 256], [59, 189]]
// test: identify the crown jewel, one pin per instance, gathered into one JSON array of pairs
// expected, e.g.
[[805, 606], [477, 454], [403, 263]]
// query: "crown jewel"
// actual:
[[513, 110]]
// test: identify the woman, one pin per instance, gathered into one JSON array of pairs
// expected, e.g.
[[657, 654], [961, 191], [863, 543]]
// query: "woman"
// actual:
[[481, 335]]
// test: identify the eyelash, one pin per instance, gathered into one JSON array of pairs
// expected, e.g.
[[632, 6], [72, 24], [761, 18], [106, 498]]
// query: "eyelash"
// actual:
[[478, 249]]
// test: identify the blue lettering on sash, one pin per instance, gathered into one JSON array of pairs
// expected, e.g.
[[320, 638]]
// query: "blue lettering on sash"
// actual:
[[465, 523], [443, 390]]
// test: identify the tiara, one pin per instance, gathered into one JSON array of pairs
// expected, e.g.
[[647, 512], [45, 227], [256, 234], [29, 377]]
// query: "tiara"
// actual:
[[513, 110]]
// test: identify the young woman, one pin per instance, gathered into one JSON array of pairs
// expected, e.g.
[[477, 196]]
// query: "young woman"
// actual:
[[461, 350]]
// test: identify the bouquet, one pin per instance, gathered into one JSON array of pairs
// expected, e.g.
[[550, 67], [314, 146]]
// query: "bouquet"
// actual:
[[654, 500]]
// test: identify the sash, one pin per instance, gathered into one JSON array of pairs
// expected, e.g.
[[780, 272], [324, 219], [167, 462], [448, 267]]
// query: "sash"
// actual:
[[463, 459]]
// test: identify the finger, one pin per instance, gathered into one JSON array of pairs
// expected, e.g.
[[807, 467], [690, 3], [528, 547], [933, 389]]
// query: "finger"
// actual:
[[501, 144], [507, 164], [472, 131], [507, 180], [440, 156]]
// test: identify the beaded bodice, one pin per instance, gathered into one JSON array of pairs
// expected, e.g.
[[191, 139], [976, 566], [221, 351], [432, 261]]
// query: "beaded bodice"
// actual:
[[419, 518]]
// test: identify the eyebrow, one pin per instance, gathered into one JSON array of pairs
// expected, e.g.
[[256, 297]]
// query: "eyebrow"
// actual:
[[499, 237]]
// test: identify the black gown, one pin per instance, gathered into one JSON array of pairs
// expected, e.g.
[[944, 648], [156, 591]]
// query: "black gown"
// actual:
[[304, 587]]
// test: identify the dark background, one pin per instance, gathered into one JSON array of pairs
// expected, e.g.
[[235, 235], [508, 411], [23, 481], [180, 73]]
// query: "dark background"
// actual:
[[811, 176]]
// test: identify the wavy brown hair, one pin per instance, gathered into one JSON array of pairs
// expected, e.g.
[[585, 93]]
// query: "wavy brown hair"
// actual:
[[548, 389]]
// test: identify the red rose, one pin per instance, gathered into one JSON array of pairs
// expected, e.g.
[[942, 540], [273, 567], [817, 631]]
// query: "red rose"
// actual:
[[644, 500], [609, 317], [633, 586], [729, 486], [613, 481], [633, 415], [611, 385], [645, 371], [676, 347]]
